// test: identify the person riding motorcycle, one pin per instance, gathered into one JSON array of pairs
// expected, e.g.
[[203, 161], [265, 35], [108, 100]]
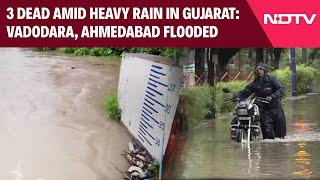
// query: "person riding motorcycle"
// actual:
[[272, 117]]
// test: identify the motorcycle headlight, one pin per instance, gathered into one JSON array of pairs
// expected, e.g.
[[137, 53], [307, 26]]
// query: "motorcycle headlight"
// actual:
[[242, 112]]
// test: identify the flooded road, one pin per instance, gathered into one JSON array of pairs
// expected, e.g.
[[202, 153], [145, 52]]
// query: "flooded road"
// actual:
[[52, 124], [207, 150]]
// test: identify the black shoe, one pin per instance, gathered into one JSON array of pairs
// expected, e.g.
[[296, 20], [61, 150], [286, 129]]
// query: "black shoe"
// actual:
[[255, 132]]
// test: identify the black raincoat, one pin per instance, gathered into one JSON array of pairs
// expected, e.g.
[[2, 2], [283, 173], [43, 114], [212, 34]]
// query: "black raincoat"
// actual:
[[272, 117]]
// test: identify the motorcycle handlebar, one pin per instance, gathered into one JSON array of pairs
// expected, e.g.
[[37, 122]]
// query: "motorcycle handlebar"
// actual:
[[232, 100], [260, 99], [263, 100]]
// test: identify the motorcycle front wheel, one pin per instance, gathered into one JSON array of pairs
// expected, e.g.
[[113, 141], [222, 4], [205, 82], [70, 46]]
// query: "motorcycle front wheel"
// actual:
[[242, 135]]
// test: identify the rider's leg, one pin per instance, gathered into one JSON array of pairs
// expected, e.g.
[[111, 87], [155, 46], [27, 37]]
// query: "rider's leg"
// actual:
[[266, 124], [280, 130]]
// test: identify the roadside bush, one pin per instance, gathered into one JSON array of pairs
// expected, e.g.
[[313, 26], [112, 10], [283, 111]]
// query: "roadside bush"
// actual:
[[43, 49], [96, 51], [82, 51], [220, 97], [67, 50], [172, 53], [199, 103], [284, 77], [111, 107], [315, 64], [202, 102], [306, 77], [100, 52]]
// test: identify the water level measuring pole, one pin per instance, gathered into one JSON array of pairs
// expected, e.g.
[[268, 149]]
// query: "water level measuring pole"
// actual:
[[153, 92], [163, 134]]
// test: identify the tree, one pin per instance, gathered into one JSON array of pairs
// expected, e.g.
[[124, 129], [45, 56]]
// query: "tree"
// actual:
[[314, 54], [277, 54], [224, 54], [269, 55], [210, 61], [304, 55], [250, 53], [199, 64], [259, 55]]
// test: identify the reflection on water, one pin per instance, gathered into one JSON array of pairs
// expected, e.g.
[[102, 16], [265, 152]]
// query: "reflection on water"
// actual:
[[208, 152], [302, 159]]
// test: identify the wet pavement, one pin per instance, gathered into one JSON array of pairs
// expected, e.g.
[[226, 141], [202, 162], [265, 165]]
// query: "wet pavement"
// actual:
[[207, 151], [52, 124]]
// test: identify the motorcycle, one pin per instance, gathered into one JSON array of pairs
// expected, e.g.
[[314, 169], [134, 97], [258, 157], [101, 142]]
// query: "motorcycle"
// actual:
[[247, 117]]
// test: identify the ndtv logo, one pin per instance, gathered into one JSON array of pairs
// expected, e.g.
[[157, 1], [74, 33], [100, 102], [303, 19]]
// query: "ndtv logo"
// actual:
[[288, 18]]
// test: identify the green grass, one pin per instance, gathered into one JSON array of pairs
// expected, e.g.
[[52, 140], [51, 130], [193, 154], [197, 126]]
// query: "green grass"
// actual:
[[67, 50], [111, 107], [202, 102], [199, 103]]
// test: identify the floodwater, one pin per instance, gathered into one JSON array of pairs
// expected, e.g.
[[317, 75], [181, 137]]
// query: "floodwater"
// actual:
[[52, 124], [208, 152]]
